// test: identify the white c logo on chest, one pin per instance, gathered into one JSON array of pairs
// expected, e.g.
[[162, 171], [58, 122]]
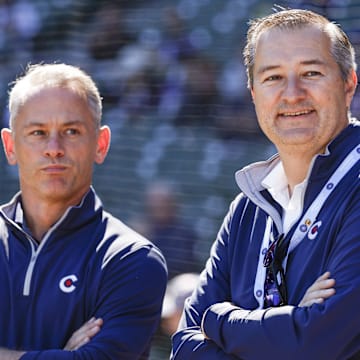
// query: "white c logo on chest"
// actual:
[[67, 283]]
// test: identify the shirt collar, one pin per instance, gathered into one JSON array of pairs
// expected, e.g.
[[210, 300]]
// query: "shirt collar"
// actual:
[[277, 185]]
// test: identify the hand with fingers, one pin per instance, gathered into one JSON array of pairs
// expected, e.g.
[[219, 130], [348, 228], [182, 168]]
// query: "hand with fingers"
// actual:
[[84, 334], [319, 291]]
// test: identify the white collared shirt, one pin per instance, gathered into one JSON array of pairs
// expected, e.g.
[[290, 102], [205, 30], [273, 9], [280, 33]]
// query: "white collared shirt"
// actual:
[[277, 185]]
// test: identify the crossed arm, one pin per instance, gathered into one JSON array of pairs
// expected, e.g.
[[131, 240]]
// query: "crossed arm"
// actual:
[[296, 331], [236, 332], [318, 292], [79, 338], [124, 320], [228, 324]]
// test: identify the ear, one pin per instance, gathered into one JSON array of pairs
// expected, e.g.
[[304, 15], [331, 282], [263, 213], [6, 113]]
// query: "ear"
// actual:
[[350, 87], [8, 144], [252, 93], [103, 144]]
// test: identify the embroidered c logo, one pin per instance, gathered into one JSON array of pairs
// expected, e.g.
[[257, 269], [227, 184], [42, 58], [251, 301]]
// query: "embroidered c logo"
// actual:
[[66, 284], [313, 231]]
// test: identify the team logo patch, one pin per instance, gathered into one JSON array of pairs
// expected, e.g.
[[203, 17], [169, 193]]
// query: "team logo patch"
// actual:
[[313, 231], [67, 283]]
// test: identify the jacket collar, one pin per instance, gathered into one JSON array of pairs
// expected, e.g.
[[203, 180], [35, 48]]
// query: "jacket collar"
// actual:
[[73, 217], [249, 179]]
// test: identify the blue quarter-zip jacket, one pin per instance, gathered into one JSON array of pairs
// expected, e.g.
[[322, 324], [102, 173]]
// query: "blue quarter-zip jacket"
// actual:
[[88, 264], [237, 327]]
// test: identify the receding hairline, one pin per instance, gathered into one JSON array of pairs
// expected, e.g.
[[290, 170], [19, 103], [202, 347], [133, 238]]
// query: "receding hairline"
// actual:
[[46, 76]]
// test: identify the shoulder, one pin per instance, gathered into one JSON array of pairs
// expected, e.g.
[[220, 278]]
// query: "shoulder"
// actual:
[[240, 204], [123, 243]]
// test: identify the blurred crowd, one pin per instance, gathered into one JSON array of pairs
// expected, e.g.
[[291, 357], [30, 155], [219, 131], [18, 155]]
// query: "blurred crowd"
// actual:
[[178, 62], [169, 64], [173, 59]]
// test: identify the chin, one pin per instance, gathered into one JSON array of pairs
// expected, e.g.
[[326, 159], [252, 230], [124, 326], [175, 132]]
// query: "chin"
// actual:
[[299, 136], [55, 190]]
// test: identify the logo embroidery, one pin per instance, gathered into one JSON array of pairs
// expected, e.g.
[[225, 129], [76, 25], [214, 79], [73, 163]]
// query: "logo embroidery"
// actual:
[[66, 284], [313, 231]]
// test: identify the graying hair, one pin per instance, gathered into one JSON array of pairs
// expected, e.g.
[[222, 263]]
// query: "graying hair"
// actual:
[[40, 76]]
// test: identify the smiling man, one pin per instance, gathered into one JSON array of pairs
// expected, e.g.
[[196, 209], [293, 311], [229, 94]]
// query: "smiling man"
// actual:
[[77, 283], [297, 217]]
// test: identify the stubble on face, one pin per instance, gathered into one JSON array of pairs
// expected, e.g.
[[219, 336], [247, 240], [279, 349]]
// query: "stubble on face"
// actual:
[[298, 91], [55, 141]]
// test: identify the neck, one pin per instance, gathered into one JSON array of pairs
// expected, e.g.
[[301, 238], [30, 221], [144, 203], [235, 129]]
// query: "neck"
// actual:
[[41, 217], [296, 169], [42, 212]]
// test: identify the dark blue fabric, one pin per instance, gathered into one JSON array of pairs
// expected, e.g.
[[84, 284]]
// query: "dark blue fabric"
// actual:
[[114, 273], [232, 320]]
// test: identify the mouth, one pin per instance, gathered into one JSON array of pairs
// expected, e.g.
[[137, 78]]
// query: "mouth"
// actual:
[[52, 169], [296, 113]]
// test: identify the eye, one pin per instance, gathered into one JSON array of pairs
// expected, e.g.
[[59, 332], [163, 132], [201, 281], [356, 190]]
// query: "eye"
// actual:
[[312, 73], [272, 78], [37, 132], [72, 131]]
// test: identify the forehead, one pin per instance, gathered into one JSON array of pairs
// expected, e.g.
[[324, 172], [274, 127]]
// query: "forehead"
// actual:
[[288, 45], [52, 92], [62, 96], [50, 103]]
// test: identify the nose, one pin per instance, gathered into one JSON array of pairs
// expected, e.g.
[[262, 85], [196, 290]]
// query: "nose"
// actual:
[[293, 90], [54, 147]]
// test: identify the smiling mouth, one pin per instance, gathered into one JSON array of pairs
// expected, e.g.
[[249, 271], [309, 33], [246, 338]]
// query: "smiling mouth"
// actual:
[[296, 113]]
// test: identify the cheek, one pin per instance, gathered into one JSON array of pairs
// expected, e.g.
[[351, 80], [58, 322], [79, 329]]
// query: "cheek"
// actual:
[[264, 100], [84, 162], [263, 113], [329, 98]]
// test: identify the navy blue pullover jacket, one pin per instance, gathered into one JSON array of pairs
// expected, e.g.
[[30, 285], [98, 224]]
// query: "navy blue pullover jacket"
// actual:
[[88, 264], [225, 303]]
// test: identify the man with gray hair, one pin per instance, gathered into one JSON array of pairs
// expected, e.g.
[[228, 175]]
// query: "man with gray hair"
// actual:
[[77, 283]]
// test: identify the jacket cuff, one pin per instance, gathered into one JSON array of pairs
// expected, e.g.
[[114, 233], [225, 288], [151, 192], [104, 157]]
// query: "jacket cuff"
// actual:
[[213, 317]]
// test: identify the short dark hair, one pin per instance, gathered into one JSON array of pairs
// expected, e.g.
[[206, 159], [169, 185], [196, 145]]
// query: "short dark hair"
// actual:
[[341, 47]]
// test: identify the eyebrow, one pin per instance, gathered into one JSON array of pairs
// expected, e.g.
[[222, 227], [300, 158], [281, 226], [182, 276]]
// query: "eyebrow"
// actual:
[[305, 62], [42, 124]]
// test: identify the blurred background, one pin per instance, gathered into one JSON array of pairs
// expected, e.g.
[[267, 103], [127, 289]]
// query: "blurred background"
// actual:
[[174, 89]]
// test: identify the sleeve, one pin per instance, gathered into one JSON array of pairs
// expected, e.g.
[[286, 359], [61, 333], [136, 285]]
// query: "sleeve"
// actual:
[[189, 343], [130, 301], [322, 331]]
